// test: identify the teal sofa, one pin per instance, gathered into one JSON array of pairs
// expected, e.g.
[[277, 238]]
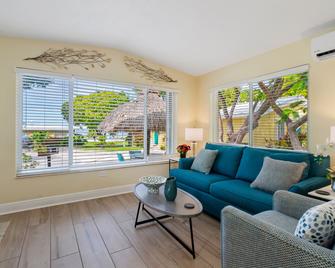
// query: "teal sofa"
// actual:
[[235, 168]]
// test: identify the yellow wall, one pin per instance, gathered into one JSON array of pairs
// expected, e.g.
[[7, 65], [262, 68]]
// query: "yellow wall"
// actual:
[[12, 51], [321, 90]]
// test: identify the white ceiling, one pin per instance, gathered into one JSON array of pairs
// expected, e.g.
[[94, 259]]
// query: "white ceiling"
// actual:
[[195, 36]]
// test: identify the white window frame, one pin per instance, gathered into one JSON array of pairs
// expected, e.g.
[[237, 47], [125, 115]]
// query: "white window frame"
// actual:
[[170, 142], [214, 92]]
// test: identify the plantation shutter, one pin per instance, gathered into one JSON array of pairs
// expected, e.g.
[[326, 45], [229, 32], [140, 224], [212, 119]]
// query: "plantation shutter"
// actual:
[[283, 97], [69, 123], [43, 137], [232, 110], [100, 137], [269, 111], [160, 115]]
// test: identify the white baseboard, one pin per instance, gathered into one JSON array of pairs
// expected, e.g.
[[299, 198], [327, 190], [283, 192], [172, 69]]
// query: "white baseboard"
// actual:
[[7, 208]]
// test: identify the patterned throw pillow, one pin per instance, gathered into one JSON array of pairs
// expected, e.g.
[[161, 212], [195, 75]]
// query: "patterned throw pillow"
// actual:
[[317, 225]]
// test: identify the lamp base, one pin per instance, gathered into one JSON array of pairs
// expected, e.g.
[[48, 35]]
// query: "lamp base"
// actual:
[[194, 143]]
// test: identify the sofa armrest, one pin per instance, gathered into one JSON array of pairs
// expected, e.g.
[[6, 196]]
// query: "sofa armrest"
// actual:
[[250, 242], [291, 204], [308, 185], [186, 163]]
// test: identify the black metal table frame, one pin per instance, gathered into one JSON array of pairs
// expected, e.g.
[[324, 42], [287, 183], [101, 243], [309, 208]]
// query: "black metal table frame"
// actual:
[[157, 219]]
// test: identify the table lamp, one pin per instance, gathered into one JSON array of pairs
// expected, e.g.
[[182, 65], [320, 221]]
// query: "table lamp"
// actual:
[[331, 140], [193, 135]]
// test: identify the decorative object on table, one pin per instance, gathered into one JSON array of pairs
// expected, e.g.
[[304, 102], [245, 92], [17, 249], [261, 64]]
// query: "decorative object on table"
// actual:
[[278, 175], [188, 205], [62, 58], [153, 183], [155, 75], [322, 192], [170, 190], [331, 177], [317, 225], [204, 161], [182, 149], [193, 135]]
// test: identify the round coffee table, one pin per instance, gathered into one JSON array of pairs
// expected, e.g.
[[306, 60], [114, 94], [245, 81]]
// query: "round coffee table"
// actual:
[[175, 208]]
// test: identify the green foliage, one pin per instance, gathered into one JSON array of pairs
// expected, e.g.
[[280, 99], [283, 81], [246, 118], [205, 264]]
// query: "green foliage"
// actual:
[[39, 138], [162, 147], [300, 85], [79, 140], [28, 161], [92, 109], [285, 142], [102, 139], [109, 146]]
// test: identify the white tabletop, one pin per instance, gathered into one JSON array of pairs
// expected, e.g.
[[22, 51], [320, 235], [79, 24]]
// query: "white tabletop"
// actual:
[[329, 197], [172, 208]]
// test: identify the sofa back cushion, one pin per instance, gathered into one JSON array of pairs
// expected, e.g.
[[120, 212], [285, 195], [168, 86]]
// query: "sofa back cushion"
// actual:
[[252, 161], [228, 158]]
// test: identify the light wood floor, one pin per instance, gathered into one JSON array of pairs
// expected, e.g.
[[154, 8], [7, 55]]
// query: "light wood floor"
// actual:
[[101, 233]]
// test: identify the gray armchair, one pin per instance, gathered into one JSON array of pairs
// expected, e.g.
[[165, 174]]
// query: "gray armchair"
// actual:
[[267, 239]]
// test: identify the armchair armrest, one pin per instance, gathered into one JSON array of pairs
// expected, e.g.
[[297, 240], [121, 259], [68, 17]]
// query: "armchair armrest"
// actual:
[[245, 237], [308, 185], [291, 204], [186, 163]]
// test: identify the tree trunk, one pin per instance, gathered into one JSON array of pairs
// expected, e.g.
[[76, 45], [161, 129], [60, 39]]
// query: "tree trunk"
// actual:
[[292, 132]]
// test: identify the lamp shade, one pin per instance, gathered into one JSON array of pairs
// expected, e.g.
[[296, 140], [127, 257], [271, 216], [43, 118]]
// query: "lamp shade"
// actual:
[[194, 134], [332, 134]]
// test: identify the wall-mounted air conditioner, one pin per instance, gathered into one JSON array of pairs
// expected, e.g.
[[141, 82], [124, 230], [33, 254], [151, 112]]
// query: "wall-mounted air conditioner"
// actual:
[[323, 47]]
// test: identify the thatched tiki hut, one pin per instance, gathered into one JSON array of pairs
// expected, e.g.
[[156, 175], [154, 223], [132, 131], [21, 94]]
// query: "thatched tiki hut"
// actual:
[[129, 117]]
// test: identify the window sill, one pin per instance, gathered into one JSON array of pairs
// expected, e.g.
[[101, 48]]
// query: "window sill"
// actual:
[[60, 171]]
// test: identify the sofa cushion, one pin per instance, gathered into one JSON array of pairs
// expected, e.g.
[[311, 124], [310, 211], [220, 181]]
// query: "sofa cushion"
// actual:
[[278, 175], [228, 158], [204, 160], [278, 219], [295, 157], [252, 161], [239, 194], [196, 179]]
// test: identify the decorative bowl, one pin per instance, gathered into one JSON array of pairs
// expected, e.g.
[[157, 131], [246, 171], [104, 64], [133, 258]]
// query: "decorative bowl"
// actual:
[[153, 183]]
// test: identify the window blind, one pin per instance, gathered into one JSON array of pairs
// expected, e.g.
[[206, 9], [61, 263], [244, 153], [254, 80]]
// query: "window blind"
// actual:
[[265, 113], [72, 123], [44, 132]]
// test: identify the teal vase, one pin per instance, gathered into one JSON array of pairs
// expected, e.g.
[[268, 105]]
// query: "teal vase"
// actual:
[[170, 190]]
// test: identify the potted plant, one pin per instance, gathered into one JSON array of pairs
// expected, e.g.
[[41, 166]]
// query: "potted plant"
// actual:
[[182, 149]]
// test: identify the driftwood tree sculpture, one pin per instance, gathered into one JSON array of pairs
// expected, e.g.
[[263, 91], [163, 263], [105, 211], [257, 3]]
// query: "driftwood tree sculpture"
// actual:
[[155, 75], [62, 58]]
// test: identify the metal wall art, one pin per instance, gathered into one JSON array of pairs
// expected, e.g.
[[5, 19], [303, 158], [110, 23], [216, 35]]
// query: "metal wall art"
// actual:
[[155, 75], [62, 58]]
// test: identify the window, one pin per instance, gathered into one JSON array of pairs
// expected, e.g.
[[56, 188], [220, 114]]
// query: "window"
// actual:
[[68, 123], [265, 112]]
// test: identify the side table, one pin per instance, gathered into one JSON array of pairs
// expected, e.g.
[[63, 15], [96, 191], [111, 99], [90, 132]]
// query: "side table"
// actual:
[[173, 162], [329, 197]]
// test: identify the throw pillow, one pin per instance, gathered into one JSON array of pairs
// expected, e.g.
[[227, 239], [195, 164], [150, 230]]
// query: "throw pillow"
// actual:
[[204, 160], [317, 225], [278, 175]]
